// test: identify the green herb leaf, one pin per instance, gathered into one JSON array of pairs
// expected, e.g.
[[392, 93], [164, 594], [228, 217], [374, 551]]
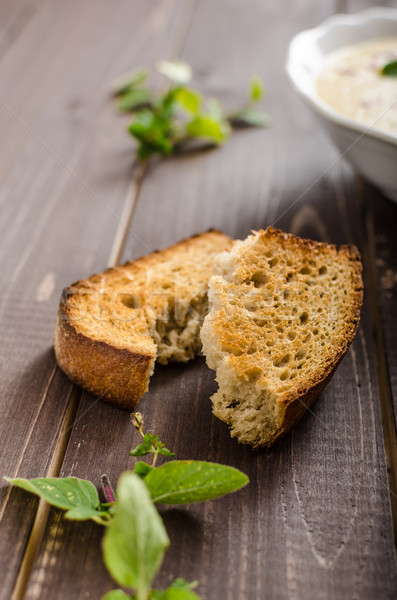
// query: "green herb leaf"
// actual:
[[151, 445], [144, 447], [135, 541], [153, 132], [249, 117], [134, 99], [256, 89], [130, 80], [179, 72], [165, 452], [390, 69], [116, 595], [142, 469], [206, 127], [183, 482], [189, 99], [173, 593], [178, 590], [78, 496]]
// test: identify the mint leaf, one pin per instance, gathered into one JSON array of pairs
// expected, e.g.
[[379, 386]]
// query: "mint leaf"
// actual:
[[142, 469], [206, 127], [178, 71], [134, 99], [116, 595], [390, 69], [135, 541], [249, 117], [130, 80], [183, 482], [78, 496], [256, 89]]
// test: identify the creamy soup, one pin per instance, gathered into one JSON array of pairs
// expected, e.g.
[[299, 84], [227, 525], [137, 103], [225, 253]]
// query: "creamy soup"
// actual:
[[351, 83]]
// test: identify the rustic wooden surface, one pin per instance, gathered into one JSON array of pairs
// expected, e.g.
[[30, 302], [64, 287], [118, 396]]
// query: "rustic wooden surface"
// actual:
[[316, 520]]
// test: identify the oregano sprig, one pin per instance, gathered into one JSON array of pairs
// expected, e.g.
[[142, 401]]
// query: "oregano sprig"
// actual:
[[166, 121], [135, 539]]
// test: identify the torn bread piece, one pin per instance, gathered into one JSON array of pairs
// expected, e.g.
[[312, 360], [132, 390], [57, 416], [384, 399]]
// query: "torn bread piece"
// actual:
[[112, 327], [283, 312]]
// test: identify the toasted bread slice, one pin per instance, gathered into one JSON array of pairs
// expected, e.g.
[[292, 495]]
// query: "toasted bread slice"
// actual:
[[283, 313], [111, 327]]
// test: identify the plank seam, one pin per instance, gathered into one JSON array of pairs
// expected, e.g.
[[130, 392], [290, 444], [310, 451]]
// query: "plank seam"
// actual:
[[43, 508]]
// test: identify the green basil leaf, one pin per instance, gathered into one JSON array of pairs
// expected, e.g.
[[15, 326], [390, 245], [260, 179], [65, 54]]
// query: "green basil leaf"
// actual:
[[204, 126], [178, 71], [116, 595], [256, 89], [135, 541], [130, 80], [189, 99], [183, 482], [390, 69], [249, 117], [134, 99], [142, 469], [67, 493]]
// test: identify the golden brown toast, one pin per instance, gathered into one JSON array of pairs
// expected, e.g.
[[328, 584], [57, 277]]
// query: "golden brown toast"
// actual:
[[112, 327], [284, 311]]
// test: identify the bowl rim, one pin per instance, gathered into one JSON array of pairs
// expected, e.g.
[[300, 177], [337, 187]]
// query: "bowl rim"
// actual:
[[311, 37]]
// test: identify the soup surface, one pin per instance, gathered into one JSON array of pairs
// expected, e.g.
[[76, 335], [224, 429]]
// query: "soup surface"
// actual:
[[352, 84]]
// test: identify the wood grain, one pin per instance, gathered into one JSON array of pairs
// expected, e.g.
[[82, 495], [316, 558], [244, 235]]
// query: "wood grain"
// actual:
[[315, 521], [61, 200]]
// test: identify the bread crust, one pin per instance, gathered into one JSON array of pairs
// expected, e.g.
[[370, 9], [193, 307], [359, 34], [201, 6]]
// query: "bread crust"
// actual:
[[116, 375]]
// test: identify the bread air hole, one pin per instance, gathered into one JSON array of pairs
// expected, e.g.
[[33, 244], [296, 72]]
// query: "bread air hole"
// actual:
[[253, 374], [322, 270], [259, 279], [303, 318], [284, 375], [281, 362], [130, 301], [300, 354], [305, 271]]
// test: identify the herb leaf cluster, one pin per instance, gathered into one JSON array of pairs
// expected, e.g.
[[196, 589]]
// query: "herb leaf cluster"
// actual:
[[135, 539], [167, 121], [390, 69]]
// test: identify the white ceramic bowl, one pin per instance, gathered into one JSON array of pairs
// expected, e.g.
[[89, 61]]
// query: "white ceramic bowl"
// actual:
[[373, 153]]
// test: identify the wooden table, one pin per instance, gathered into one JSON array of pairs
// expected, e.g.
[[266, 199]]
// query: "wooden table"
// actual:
[[316, 521]]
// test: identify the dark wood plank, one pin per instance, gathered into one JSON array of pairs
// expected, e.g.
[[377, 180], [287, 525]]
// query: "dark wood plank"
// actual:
[[65, 172], [384, 221], [315, 520]]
